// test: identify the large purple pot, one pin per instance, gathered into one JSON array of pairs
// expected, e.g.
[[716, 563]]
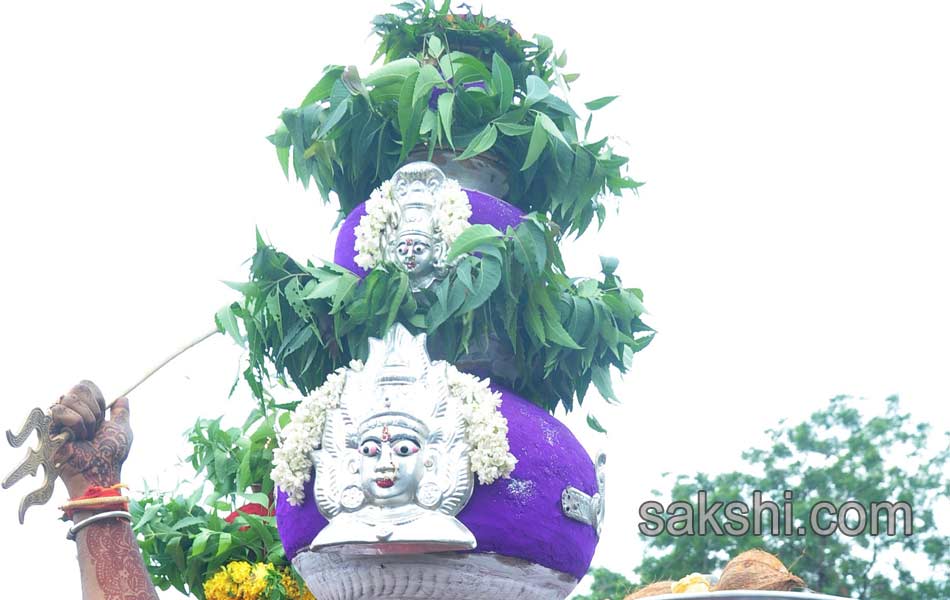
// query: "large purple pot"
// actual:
[[485, 209], [519, 517]]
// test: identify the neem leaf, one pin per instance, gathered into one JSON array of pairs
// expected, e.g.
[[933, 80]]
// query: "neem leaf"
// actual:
[[600, 102], [594, 424], [321, 91], [608, 264], [464, 68], [530, 246], [396, 301], [429, 119], [294, 292], [435, 46], [601, 377], [343, 291], [224, 542], [545, 44], [283, 157], [537, 90], [419, 112], [446, 102], [633, 301], [557, 334], [470, 239], [405, 103], [324, 288], [227, 323], [429, 77], [558, 105], [393, 72], [200, 543], [532, 317], [503, 82], [488, 279], [177, 554], [335, 116], [588, 288], [186, 522], [539, 139], [550, 127], [481, 142], [273, 308], [513, 129], [147, 516]]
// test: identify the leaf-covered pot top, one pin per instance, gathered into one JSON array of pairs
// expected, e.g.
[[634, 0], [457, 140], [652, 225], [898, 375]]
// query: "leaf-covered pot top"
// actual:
[[504, 95]]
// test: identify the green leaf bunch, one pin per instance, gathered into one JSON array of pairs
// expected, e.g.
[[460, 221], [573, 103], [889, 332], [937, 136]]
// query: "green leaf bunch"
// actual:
[[406, 31], [185, 539], [235, 459], [559, 334], [350, 133]]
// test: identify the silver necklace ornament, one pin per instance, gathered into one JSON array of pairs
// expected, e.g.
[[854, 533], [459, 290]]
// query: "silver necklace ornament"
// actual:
[[393, 468]]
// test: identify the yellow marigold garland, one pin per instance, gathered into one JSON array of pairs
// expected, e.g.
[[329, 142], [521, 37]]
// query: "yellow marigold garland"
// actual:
[[240, 580]]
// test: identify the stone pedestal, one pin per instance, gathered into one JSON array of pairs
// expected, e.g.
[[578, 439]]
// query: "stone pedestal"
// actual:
[[444, 576]]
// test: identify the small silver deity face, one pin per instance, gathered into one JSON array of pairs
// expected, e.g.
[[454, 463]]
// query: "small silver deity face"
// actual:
[[390, 464], [415, 252]]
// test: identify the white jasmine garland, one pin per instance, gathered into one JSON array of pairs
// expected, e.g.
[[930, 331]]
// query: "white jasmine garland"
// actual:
[[302, 435], [486, 431], [452, 211]]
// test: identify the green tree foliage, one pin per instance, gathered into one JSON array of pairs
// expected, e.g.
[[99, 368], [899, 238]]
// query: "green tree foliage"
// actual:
[[836, 455], [607, 585]]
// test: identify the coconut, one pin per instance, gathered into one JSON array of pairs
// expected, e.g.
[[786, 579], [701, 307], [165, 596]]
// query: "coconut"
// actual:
[[654, 589], [692, 583], [757, 570]]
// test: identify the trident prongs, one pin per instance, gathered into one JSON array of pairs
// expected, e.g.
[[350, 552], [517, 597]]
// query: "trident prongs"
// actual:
[[43, 455]]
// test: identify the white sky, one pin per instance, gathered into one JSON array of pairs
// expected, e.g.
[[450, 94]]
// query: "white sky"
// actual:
[[792, 238]]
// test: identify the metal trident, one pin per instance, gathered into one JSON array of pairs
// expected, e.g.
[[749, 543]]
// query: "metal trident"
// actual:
[[42, 456], [48, 445]]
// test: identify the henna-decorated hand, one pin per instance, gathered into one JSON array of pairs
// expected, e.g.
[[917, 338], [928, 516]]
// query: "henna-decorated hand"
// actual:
[[98, 447]]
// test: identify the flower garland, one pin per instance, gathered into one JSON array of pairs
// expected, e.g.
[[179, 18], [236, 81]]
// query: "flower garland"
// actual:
[[240, 580], [486, 431], [452, 211], [302, 435]]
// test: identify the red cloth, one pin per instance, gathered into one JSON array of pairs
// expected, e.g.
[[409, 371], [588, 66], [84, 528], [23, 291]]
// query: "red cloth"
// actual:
[[95, 491], [249, 509]]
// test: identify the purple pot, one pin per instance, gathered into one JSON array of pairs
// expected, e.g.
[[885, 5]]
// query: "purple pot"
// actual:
[[519, 517], [485, 209]]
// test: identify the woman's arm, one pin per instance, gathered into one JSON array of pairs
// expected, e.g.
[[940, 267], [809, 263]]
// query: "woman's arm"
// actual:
[[110, 563]]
